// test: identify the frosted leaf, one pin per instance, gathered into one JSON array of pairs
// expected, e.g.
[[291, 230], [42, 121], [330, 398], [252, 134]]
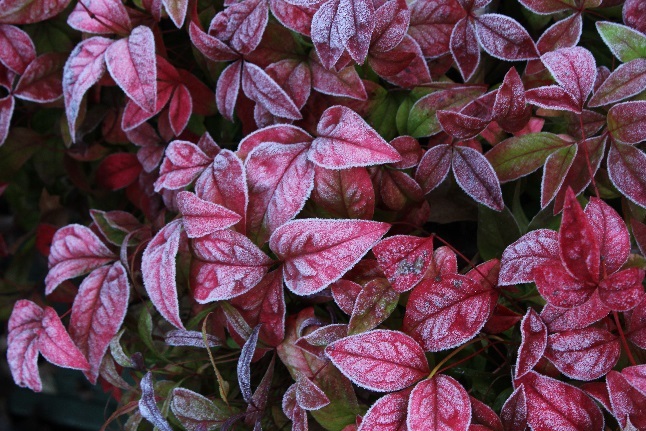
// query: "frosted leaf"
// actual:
[[626, 401], [391, 22], [465, 48], [403, 65], [201, 217], [574, 69], [182, 337], [100, 17], [636, 376], [431, 24], [241, 24], [244, 364], [212, 48], [546, 7], [625, 43], [346, 82], [553, 97], [281, 134], [562, 34], [624, 162], [504, 38], [262, 89], [388, 413], [510, 97], [180, 109], [42, 80], [559, 288], [294, 17], [374, 304], [345, 294], [611, 234], [584, 315], [434, 167], [514, 412], [627, 122], [633, 15], [16, 48], [533, 342], [148, 404], [439, 403], [557, 166], [227, 89], [6, 112], [404, 259], [20, 12], [461, 126], [625, 81], [622, 290], [475, 175], [184, 161], [25, 324], [309, 396], [484, 417], [196, 412], [327, 34], [344, 193]]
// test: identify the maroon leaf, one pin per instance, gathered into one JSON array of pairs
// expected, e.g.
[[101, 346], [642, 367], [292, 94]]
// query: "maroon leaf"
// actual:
[[21, 12], [636, 376], [212, 47], [98, 312], [475, 175], [176, 11], [180, 109], [42, 80], [546, 7], [510, 98], [133, 65], [241, 24], [388, 413], [559, 288], [622, 290], [403, 65], [374, 304], [404, 259], [534, 341], [439, 403], [465, 48], [625, 81], [295, 17], [158, 269], [611, 234], [201, 217], [379, 360], [16, 48], [483, 418], [504, 38], [577, 241], [461, 126], [309, 396], [582, 316], [7, 105], [625, 172], [294, 77], [562, 34], [118, 170], [627, 402], [345, 294], [183, 163], [391, 22], [553, 97], [100, 17], [633, 14], [434, 167], [556, 169], [626, 122], [148, 405], [282, 134], [344, 193], [514, 412], [75, 251], [574, 69], [318, 252], [262, 89], [431, 24], [184, 338]]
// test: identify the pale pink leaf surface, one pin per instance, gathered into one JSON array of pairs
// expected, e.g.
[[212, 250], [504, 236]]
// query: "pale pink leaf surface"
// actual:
[[84, 67], [345, 294], [561, 34], [547, 7], [181, 337], [533, 343], [75, 251], [391, 22], [388, 413], [7, 105], [553, 97], [180, 109], [583, 354], [431, 24], [21, 12], [439, 404], [563, 319], [504, 38], [281, 133], [327, 35], [262, 89], [241, 24], [346, 82], [623, 290], [574, 69], [24, 326], [578, 243], [475, 175], [344, 193], [16, 48], [611, 234], [309, 396], [625, 171], [55, 344], [317, 252], [445, 313], [531, 250], [201, 217], [404, 260], [627, 402], [158, 269], [434, 167], [294, 77], [212, 47], [514, 412], [465, 48], [100, 17], [98, 312], [627, 122], [356, 24], [625, 81], [374, 304], [294, 17], [42, 80], [148, 404], [183, 163], [227, 89], [176, 10], [345, 140], [554, 405], [636, 376], [226, 264], [195, 411], [380, 360], [557, 166], [280, 180]]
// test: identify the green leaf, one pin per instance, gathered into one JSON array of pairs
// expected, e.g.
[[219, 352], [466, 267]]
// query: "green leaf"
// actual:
[[624, 42], [145, 329], [20, 146], [496, 230], [376, 301], [382, 112]]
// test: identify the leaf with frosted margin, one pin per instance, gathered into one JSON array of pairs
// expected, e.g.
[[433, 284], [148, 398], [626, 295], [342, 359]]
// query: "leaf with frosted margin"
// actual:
[[316, 341], [262, 89], [183, 162], [374, 304], [294, 17], [42, 80], [553, 97], [176, 11], [625, 43], [547, 7], [241, 24], [557, 166], [345, 140], [574, 69], [483, 418], [345, 83], [158, 269], [533, 342], [447, 313], [280, 180], [625, 169], [388, 413], [611, 234], [115, 225], [627, 122], [326, 33], [98, 312], [633, 15], [561, 34], [636, 325], [318, 252], [475, 175], [559, 288], [627, 402], [579, 248], [636, 376], [211, 47], [227, 89], [201, 217], [16, 48], [227, 264], [244, 364], [180, 109], [627, 80], [431, 24], [623, 290], [7, 105], [564, 319], [404, 259], [504, 38], [465, 48], [309, 396], [293, 411], [30, 11], [397, 189], [75, 251], [344, 193], [294, 76], [510, 98], [434, 167], [583, 354], [345, 294], [84, 67], [461, 126], [391, 22], [133, 65], [100, 17], [514, 412], [182, 337], [380, 360], [437, 404], [280, 133], [148, 404], [410, 151], [196, 412]]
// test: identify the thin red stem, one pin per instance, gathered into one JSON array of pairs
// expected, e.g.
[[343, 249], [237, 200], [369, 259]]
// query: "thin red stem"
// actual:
[[624, 342]]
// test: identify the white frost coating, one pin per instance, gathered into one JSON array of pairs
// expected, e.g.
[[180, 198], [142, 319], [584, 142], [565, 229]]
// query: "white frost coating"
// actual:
[[625, 164], [533, 342], [465, 48], [557, 166], [553, 97], [404, 259], [100, 17], [183, 162], [504, 38], [574, 69], [148, 406], [627, 122], [262, 89], [201, 217], [388, 413], [439, 404], [611, 235], [625, 42], [625, 81], [475, 175], [309, 396], [344, 193], [564, 319], [195, 411]]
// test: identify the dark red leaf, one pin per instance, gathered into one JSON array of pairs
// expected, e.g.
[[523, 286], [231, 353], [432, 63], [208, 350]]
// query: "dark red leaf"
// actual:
[[42, 80], [553, 97], [636, 376], [309, 396], [622, 290], [439, 403], [514, 412], [295, 17], [100, 17], [627, 402], [345, 294], [534, 341], [212, 47], [346, 82], [461, 126], [483, 417], [625, 171], [625, 81], [434, 167], [557, 166], [241, 24], [403, 65], [546, 7], [633, 14], [510, 97], [431, 24], [611, 234], [578, 243], [344, 193], [388, 413], [404, 259], [582, 316], [574, 69], [176, 11], [282, 134], [559, 288], [118, 170], [465, 48], [562, 34], [626, 122], [475, 175], [180, 109], [391, 22], [262, 89], [504, 38]]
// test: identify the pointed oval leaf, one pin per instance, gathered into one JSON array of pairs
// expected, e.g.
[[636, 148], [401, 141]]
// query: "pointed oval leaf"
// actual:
[[180, 109], [533, 342], [212, 48], [262, 89], [388, 413], [437, 404], [625, 172], [561, 34], [16, 48], [625, 43], [118, 171], [623, 290], [475, 175], [309, 396], [201, 217], [514, 412], [574, 69], [582, 316], [196, 412], [181, 337], [42, 80], [241, 24], [626, 400], [434, 167], [578, 243], [431, 23], [404, 260], [391, 23], [24, 326], [611, 234], [345, 83], [55, 344], [504, 38], [547, 7], [148, 404], [553, 97], [626, 122], [465, 48], [100, 17], [556, 169], [344, 193], [374, 304], [627, 80], [29, 12], [244, 364], [183, 162]]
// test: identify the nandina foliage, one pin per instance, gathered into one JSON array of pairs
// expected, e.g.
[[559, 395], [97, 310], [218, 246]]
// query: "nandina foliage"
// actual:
[[326, 214]]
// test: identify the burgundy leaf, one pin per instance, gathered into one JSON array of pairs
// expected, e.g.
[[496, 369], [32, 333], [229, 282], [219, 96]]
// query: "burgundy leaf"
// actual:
[[345, 293], [282, 134], [564, 319], [262, 89], [397, 189], [625, 172], [504, 38], [483, 417], [294, 17], [118, 171], [344, 193], [98, 312], [534, 341], [212, 48], [201, 217], [404, 259], [391, 22], [148, 405], [633, 14], [622, 290], [379, 360], [318, 252], [183, 163], [625, 81], [21, 12], [577, 241], [611, 234], [627, 402], [431, 24], [410, 151], [403, 65], [510, 98], [434, 167], [475, 175], [75, 251], [465, 48], [439, 403], [547, 7], [514, 412], [345, 83], [100, 17], [553, 97], [227, 89], [636, 376], [158, 269], [244, 364], [42, 80], [374, 304], [316, 341], [294, 77], [559, 288], [227, 264], [309, 396], [7, 105], [461, 126], [626, 122], [195, 411], [556, 169], [180, 109], [184, 338], [574, 69], [133, 65], [16, 48], [241, 24], [388, 413], [176, 11], [562, 34]]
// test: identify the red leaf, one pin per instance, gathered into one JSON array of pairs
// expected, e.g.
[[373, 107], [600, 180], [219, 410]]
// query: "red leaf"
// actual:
[[100, 17], [294, 77], [176, 11], [344, 193], [241, 24], [183, 163], [547, 7], [212, 48], [633, 14], [504, 38], [42, 80], [201, 217], [562, 34], [626, 122], [388, 413], [75, 251], [16, 48], [404, 259], [226, 264], [531, 250], [514, 412], [510, 97], [582, 316], [627, 80], [294, 17], [534, 340], [483, 417], [262, 89], [465, 48], [627, 402], [574, 69], [84, 67], [282, 134], [625, 170], [439, 403], [557, 166], [461, 126], [552, 405], [374, 304], [636, 376], [98, 312], [553, 97], [434, 167], [309, 396], [180, 109], [391, 22], [611, 234], [158, 269], [318, 252], [345, 294], [118, 170], [379, 360], [345, 140], [227, 89], [559, 288], [622, 290], [475, 175], [21, 12], [431, 24], [578, 243], [583, 354], [345, 83]]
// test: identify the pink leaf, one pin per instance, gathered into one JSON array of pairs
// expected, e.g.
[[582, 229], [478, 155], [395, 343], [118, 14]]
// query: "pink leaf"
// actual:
[[158, 269], [344, 193], [345, 293], [633, 14], [531, 250], [21, 12], [546, 7], [623, 290], [534, 340], [318, 252], [625, 81], [227, 89], [212, 48], [133, 65], [353, 22], [611, 234], [626, 122], [625, 171], [75, 251], [84, 67], [294, 17], [327, 35], [98, 312], [554, 405], [24, 326], [262, 89], [562, 34], [176, 11], [437, 404], [504, 38], [241, 24], [180, 109], [465, 48], [294, 77], [183, 163], [55, 344], [42, 80], [282, 134], [226, 264], [431, 24], [434, 167], [514, 412], [379, 360], [16, 48], [627, 402], [201, 217], [309, 396], [574, 69], [388, 413], [559, 288], [475, 175], [346, 82], [100, 17], [578, 242], [404, 259], [346, 140], [391, 22], [553, 97], [584, 315]]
